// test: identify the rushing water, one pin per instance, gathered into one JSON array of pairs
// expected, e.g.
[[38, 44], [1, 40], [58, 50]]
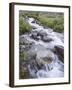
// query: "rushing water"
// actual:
[[56, 67]]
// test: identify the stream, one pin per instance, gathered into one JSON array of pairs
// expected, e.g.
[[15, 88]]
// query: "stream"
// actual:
[[45, 51]]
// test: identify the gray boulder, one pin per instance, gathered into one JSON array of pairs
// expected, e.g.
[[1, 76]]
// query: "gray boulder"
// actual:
[[44, 57], [42, 33], [23, 40], [47, 39], [35, 36]]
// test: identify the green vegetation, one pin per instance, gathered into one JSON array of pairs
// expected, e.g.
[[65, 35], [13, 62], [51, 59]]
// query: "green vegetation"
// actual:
[[29, 14], [49, 19], [24, 26], [23, 56], [56, 22], [23, 70], [24, 73]]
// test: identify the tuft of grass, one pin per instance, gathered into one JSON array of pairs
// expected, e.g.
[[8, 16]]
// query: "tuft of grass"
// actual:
[[24, 26]]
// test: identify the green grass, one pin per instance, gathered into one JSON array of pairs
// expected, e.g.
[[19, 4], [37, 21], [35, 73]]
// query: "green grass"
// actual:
[[29, 14], [24, 26], [57, 24], [49, 22], [51, 19]]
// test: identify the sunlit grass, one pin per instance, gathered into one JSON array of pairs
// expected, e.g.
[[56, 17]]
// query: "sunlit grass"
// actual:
[[51, 20], [24, 26]]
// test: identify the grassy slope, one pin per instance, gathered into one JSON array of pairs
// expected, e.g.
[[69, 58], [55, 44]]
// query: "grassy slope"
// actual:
[[55, 22], [51, 20], [24, 26]]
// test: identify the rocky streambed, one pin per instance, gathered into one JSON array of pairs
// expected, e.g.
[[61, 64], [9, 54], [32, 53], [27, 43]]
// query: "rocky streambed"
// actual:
[[41, 52]]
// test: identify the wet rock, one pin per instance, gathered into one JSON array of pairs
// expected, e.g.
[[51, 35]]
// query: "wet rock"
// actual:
[[34, 27], [42, 33], [21, 48], [46, 39], [31, 56], [49, 66], [35, 36], [36, 48], [37, 22], [44, 57], [59, 50], [25, 41], [33, 53], [34, 21]]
